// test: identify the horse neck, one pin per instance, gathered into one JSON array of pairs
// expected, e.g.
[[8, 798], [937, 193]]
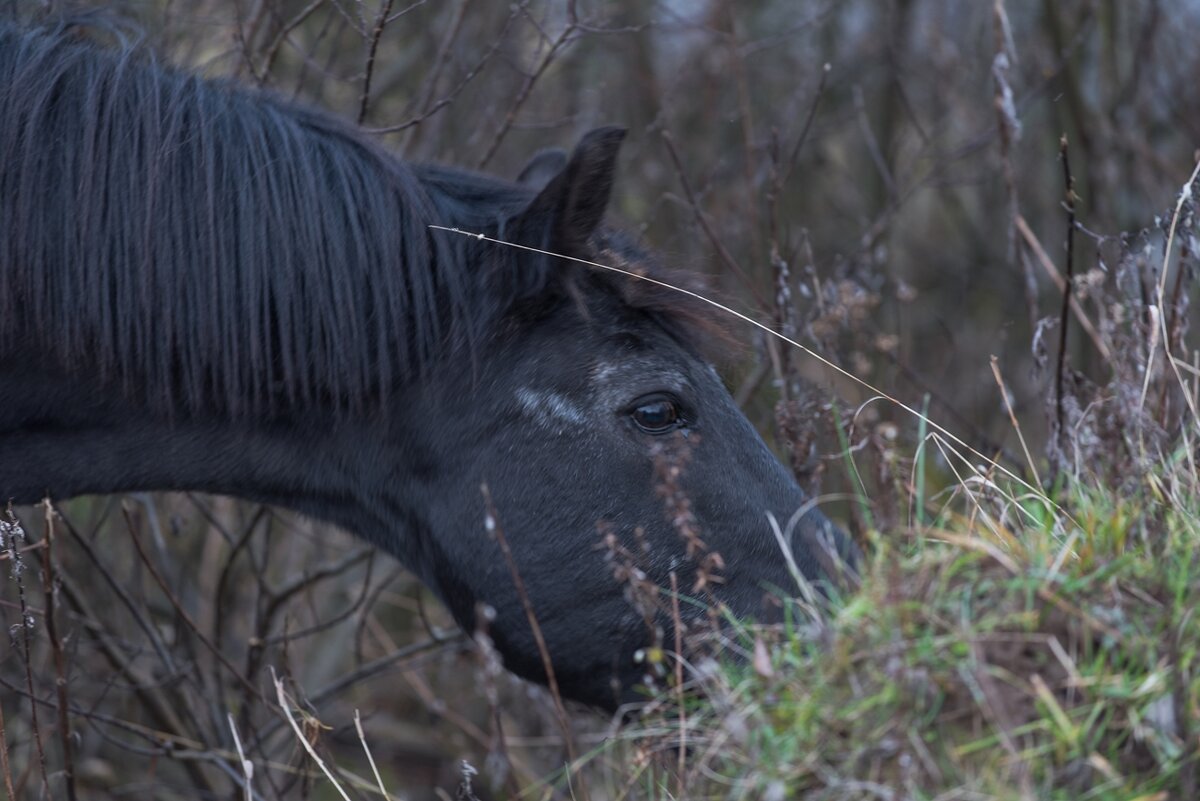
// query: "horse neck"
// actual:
[[63, 436]]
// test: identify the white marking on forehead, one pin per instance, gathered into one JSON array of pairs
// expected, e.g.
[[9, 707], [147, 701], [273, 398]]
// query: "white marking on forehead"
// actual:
[[543, 405], [604, 375], [603, 371]]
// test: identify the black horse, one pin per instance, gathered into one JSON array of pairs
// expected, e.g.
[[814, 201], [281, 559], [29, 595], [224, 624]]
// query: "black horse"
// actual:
[[208, 288]]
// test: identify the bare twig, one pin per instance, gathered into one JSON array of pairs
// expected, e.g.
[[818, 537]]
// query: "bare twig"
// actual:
[[273, 50], [366, 671], [11, 533], [1009, 127], [135, 611], [526, 89], [450, 96], [1186, 195], [362, 739], [794, 156], [875, 151], [434, 77], [5, 765], [247, 685], [1048, 265], [702, 219], [785, 308], [1012, 418], [372, 48], [49, 582], [282, 699], [246, 765], [677, 620], [1174, 336], [1069, 278], [150, 695]]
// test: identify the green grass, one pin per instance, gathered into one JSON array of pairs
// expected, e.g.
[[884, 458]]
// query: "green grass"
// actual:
[[1012, 648]]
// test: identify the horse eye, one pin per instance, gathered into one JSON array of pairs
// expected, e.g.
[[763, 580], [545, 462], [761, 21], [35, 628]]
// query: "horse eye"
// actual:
[[656, 415]]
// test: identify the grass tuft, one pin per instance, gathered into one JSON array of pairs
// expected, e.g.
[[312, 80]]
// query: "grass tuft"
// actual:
[[1049, 654]]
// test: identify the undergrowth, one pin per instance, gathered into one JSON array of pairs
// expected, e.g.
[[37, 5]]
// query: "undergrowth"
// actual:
[[1025, 648]]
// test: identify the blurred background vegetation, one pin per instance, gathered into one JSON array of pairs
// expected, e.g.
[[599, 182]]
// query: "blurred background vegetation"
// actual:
[[881, 179]]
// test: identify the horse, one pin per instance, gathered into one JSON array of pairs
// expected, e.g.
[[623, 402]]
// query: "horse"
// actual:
[[207, 287]]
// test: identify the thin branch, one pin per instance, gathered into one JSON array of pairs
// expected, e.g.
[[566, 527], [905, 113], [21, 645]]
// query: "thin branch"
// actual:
[[794, 156], [366, 671], [284, 32], [873, 148], [5, 766], [1048, 265], [453, 94], [405, 10], [1068, 282], [702, 219], [1008, 125], [431, 81], [10, 533], [510, 116], [143, 623], [282, 699], [376, 34], [49, 582], [246, 765], [146, 689], [183, 613], [362, 738]]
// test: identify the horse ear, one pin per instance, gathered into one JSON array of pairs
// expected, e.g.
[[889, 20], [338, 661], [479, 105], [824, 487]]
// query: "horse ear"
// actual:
[[544, 165], [569, 208]]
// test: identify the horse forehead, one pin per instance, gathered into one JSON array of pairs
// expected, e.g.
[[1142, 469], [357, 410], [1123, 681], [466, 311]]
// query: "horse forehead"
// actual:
[[608, 375], [550, 407]]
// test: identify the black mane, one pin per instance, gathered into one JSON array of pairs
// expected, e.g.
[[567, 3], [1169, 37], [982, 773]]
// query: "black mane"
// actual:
[[213, 246]]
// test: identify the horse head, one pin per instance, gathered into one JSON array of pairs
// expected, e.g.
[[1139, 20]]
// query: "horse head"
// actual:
[[613, 453]]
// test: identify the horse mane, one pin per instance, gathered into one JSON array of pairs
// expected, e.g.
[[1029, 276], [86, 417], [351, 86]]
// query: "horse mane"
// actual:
[[211, 246]]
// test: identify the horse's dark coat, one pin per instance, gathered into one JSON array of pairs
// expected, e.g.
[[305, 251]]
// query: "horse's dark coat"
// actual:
[[204, 287]]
